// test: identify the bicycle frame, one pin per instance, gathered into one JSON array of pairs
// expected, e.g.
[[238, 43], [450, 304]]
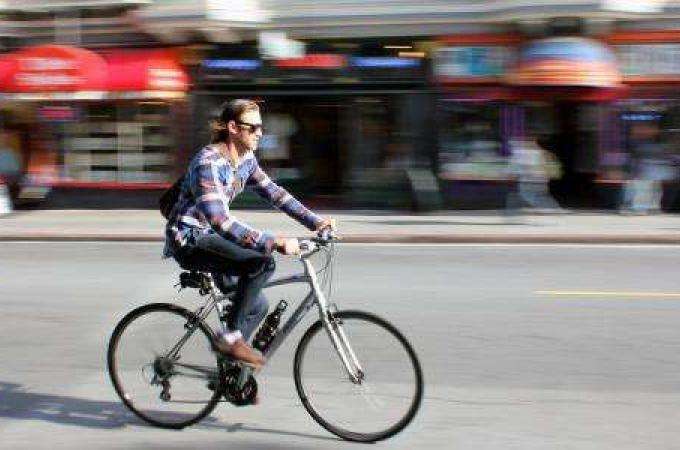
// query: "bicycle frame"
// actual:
[[315, 296]]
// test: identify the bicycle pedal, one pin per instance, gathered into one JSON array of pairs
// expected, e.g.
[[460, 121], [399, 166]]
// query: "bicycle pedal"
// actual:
[[235, 363], [254, 367]]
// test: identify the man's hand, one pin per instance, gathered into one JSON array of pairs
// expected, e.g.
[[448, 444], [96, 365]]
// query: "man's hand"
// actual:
[[289, 246], [327, 222]]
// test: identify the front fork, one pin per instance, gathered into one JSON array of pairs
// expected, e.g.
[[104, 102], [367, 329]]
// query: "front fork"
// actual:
[[333, 326], [337, 335]]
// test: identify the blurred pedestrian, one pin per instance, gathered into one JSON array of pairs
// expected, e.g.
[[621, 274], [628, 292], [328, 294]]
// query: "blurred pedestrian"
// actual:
[[531, 167], [649, 166]]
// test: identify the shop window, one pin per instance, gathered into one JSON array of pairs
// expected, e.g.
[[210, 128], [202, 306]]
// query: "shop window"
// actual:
[[470, 142], [119, 142], [643, 123], [386, 129]]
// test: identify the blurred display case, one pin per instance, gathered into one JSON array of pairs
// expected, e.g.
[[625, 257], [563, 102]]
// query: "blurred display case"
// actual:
[[470, 142], [118, 142]]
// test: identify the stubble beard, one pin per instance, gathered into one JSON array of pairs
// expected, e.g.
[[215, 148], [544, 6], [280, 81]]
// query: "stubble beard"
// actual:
[[242, 147]]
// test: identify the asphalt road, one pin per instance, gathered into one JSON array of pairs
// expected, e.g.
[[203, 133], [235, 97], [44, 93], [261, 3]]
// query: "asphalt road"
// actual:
[[523, 347]]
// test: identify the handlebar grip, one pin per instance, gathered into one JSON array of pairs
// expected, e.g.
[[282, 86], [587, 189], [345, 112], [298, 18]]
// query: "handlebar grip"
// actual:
[[327, 234], [304, 245]]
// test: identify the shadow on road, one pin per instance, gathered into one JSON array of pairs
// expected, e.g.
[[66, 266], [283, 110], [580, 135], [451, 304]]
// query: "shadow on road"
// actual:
[[17, 403], [20, 404]]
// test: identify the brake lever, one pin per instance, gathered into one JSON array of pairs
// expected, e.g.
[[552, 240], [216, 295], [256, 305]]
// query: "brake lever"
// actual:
[[326, 234]]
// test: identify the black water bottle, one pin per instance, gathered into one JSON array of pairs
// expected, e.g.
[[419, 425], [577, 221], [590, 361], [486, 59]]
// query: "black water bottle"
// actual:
[[269, 328]]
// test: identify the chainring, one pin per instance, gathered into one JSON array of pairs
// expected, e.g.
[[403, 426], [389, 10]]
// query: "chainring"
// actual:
[[239, 397]]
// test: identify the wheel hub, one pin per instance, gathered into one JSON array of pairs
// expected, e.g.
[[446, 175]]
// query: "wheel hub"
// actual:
[[162, 367]]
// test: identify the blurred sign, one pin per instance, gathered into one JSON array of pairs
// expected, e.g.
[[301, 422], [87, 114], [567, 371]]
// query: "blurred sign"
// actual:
[[649, 59], [55, 68], [313, 61], [565, 61], [384, 62], [142, 70], [634, 6], [233, 10], [472, 61], [47, 71], [55, 113], [228, 69], [232, 64], [275, 45], [644, 116]]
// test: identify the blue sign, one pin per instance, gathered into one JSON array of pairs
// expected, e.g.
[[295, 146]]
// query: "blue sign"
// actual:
[[641, 116], [472, 61], [232, 64], [384, 62]]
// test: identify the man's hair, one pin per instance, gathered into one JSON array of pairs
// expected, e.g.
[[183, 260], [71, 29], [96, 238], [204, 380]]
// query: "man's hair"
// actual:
[[229, 110]]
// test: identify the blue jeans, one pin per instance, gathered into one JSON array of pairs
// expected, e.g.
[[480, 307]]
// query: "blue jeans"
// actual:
[[230, 263]]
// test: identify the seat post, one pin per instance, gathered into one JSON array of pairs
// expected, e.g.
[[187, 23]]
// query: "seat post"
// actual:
[[207, 283]]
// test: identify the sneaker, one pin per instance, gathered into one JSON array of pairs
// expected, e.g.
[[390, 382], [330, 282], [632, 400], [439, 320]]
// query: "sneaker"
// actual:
[[240, 351]]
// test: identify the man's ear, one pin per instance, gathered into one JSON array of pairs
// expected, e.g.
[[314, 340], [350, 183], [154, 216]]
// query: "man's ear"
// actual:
[[232, 127]]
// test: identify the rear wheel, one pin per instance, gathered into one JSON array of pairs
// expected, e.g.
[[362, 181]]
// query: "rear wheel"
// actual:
[[163, 383], [385, 398]]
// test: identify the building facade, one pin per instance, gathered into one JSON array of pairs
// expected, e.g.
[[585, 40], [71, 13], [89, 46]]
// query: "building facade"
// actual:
[[388, 105]]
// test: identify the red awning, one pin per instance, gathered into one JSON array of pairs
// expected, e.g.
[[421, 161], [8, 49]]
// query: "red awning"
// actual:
[[6, 69], [53, 68], [566, 61], [58, 71], [145, 70]]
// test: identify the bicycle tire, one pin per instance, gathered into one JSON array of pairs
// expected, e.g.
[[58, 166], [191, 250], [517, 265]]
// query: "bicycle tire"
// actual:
[[344, 433], [113, 367]]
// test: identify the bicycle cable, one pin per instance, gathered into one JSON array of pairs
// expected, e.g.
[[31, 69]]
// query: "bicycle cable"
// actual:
[[329, 271]]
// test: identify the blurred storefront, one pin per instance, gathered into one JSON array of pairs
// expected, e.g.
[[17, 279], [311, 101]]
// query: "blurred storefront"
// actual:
[[344, 122], [566, 87], [380, 108], [476, 117], [105, 121], [650, 64]]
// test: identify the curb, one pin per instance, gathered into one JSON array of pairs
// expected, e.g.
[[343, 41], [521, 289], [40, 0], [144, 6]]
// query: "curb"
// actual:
[[667, 239]]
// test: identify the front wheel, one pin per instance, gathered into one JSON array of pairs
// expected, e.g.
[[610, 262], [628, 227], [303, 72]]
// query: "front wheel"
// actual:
[[387, 394]]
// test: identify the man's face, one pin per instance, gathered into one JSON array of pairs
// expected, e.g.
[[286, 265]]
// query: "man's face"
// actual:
[[249, 130]]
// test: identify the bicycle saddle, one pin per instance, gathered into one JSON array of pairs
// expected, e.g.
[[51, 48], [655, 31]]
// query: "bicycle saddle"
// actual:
[[194, 279]]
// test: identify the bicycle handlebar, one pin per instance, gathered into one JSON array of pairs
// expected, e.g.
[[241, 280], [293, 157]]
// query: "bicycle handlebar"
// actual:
[[310, 246], [326, 235]]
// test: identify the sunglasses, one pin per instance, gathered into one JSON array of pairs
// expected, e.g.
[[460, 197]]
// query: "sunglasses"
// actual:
[[252, 127]]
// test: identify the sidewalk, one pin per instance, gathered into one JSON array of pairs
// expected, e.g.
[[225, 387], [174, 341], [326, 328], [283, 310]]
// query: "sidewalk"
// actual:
[[362, 226]]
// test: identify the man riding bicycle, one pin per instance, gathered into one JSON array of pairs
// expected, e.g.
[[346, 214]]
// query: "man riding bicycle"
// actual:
[[202, 233]]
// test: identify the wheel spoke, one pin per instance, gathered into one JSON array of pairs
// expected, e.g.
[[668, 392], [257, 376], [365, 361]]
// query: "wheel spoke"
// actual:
[[372, 400], [210, 371], [162, 390], [368, 408]]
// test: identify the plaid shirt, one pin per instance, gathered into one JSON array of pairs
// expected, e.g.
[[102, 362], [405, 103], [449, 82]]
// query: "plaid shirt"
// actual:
[[209, 187]]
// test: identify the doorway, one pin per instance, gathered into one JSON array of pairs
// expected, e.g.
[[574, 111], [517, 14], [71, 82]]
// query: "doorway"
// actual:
[[570, 131]]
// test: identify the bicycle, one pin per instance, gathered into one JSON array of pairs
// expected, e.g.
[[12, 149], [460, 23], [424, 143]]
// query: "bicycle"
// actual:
[[178, 358]]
